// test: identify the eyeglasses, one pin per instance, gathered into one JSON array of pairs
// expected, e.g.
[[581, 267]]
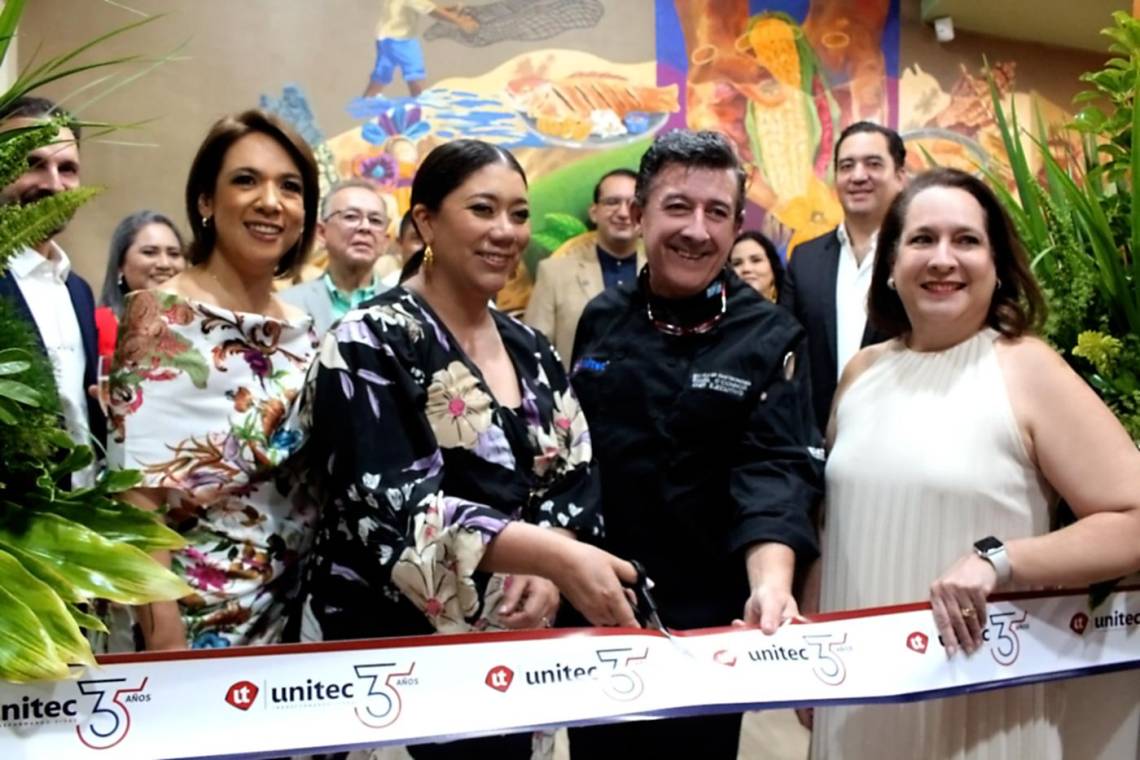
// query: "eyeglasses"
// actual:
[[355, 217]]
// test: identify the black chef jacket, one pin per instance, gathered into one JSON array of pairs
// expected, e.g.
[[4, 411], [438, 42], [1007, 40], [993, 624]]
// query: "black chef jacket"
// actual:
[[706, 444]]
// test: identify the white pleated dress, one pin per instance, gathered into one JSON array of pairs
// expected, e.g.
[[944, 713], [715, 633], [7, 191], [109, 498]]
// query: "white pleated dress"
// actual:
[[928, 458]]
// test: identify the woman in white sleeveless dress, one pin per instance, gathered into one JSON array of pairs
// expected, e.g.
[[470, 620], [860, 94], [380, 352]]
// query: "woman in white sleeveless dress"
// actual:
[[964, 427]]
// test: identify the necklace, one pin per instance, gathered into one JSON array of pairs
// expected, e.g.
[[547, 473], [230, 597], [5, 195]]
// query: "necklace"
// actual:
[[700, 328]]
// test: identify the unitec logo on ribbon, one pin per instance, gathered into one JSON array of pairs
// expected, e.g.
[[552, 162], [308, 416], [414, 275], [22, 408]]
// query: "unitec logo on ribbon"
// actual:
[[499, 678], [1079, 623], [242, 695], [917, 642]]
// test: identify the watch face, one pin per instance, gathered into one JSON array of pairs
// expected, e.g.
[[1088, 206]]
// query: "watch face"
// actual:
[[988, 544]]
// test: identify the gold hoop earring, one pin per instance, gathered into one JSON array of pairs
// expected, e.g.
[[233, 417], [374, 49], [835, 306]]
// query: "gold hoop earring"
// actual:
[[429, 257]]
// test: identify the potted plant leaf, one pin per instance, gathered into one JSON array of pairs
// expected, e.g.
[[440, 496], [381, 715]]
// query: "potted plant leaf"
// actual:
[[59, 549]]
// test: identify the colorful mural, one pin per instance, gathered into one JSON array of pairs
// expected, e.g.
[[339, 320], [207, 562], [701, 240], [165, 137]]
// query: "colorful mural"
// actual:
[[954, 124], [568, 115], [780, 77]]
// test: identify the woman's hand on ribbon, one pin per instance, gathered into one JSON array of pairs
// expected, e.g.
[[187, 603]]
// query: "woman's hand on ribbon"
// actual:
[[958, 600], [529, 601], [592, 580]]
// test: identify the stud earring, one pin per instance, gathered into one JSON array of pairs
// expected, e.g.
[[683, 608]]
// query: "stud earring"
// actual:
[[205, 221], [891, 282]]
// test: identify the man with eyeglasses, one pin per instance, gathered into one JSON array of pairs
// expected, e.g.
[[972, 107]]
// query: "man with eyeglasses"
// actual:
[[588, 264], [354, 231]]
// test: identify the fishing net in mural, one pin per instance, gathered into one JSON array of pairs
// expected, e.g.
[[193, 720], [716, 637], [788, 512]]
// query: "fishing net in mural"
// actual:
[[520, 20]]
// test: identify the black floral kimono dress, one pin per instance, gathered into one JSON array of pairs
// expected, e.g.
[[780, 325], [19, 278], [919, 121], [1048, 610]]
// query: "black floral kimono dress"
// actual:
[[416, 468]]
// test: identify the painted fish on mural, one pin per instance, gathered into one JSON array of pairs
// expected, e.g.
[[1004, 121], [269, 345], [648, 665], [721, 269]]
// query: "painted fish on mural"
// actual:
[[590, 104]]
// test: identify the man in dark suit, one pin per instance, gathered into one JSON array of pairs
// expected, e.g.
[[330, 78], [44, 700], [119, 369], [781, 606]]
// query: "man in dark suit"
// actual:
[[40, 285], [827, 278]]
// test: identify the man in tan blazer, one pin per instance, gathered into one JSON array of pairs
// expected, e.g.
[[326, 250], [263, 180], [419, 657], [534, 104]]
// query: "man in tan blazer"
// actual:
[[585, 265]]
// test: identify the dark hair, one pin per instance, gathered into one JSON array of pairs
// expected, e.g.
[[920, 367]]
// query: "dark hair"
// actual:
[[406, 223], [769, 250], [895, 144], [622, 172], [449, 165], [703, 150], [414, 263], [345, 184], [32, 107], [1017, 306], [122, 239], [207, 164]]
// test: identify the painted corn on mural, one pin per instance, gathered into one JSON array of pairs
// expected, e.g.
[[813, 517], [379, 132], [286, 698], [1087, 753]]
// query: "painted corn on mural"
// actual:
[[782, 78]]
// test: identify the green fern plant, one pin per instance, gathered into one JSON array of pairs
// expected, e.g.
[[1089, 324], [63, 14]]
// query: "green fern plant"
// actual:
[[59, 549], [1082, 226]]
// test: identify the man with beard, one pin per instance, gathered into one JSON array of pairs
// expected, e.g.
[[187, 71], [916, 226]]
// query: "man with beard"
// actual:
[[39, 284], [696, 394], [354, 231]]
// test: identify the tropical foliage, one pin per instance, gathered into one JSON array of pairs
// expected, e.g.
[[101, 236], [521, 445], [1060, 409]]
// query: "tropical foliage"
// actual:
[[59, 549], [1082, 228]]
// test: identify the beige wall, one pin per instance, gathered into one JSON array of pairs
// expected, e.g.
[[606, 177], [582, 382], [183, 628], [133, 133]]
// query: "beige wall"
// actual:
[[1050, 71]]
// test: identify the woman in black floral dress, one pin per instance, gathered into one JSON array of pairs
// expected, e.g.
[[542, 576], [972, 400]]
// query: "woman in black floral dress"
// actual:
[[444, 443]]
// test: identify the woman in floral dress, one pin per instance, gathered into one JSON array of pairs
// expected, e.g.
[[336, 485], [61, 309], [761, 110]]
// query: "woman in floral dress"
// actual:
[[205, 371], [447, 451]]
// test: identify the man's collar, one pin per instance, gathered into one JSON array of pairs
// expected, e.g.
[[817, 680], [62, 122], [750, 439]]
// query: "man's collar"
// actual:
[[372, 284], [606, 255], [845, 238], [29, 259]]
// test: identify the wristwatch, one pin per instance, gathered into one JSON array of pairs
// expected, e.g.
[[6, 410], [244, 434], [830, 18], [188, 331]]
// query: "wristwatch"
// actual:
[[993, 551]]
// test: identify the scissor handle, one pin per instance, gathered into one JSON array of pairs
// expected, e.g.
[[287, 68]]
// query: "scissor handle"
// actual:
[[646, 610]]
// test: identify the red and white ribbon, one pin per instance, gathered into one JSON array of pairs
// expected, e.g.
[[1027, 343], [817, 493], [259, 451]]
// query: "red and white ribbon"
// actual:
[[283, 700]]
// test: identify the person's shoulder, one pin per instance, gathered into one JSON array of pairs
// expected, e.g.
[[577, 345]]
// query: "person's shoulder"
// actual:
[[1029, 362], [1027, 348], [79, 280], [809, 250], [865, 358], [298, 296], [748, 308], [303, 288], [611, 301], [559, 266]]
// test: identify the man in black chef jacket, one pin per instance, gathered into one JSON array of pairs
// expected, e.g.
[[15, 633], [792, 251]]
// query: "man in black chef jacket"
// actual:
[[697, 396]]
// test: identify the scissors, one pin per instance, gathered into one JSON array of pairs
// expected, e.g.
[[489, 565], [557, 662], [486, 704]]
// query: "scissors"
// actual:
[[646, 610]]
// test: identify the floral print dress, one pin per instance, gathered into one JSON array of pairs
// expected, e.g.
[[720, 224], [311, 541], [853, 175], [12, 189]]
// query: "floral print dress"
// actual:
[[417, 468], [199, 397]]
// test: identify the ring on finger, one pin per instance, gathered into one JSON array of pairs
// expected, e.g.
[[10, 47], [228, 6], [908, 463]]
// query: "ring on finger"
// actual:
[[967, 612]]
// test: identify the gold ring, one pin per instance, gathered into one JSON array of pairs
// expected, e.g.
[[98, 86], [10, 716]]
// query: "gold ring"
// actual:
[[967, 612]]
